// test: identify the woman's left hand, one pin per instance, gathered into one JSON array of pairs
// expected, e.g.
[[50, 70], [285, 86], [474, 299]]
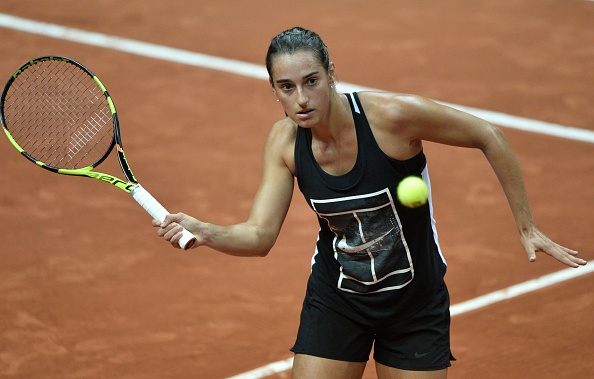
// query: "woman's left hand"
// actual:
[[535, 241]]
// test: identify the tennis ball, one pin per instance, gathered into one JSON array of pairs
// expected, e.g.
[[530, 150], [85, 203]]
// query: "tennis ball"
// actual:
[[412, 192]]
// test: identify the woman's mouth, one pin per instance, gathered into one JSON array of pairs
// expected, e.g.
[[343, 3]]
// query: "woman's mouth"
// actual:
[[305, 114]]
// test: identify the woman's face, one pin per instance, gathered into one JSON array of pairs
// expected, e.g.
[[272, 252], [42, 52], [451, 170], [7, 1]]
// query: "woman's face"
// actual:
[[303, 87]]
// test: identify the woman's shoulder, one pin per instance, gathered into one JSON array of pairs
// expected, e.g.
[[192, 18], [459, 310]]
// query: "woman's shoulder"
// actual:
[[394, 109], [376, 101], [385, 108], [283, 131], [391, 117], [280, 143]]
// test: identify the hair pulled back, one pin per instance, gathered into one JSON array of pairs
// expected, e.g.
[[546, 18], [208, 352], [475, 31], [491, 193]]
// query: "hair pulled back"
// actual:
[[297, 39]]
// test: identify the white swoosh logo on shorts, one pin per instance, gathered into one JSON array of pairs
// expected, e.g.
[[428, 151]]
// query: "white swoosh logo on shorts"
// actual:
[[342, 244]]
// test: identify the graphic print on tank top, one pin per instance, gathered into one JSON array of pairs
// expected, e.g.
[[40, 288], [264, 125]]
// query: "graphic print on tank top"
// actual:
[[369, 244]]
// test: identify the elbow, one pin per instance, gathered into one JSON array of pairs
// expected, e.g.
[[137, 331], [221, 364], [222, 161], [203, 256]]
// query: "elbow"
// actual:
[[261, 253], [256, 240], [264, 242], [264, 246], [492, 139], [268, 246]]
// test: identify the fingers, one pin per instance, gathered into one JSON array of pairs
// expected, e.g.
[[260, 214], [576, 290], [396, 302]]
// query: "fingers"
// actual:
[[534, 241], [171, 218], [162, 224], [169, 229], [171, 222], [530, 250], [567, 256], [172, 226], [563, 255], [172, 233], [568, 250], [571, 257], [576, 261]]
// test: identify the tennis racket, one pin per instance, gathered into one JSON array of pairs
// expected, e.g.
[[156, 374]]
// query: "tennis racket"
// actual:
[[59, 115]]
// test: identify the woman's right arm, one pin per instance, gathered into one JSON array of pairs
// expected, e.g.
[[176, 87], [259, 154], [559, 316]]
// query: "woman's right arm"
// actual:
[[257, 235]]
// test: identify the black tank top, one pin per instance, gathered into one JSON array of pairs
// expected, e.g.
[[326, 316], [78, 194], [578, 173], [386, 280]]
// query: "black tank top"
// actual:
[[375, 259]]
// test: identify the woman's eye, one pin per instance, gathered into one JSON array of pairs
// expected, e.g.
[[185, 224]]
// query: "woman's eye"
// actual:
[[286, 87], [312, 81]]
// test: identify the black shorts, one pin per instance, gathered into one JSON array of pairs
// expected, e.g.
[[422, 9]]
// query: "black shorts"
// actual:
[[419, 343]]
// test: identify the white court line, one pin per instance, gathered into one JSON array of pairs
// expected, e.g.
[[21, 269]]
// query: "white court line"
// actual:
[[270, 369], [259, 72], [521, 289], [256, 71]]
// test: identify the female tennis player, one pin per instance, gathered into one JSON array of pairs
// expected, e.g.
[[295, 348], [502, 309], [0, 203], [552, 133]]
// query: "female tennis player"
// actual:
[[377, 275]]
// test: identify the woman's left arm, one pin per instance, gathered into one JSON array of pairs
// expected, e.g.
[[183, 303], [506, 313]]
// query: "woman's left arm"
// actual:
[[427, 120], [505, 164]]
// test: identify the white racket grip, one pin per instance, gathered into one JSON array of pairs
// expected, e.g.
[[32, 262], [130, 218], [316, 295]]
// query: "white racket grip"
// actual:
[[158, 212]]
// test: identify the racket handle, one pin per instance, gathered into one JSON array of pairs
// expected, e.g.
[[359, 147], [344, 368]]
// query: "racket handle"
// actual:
[[155, 209]]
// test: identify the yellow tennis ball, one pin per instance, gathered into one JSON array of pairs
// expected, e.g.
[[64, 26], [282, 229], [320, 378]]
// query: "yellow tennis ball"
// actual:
[[412, 192]]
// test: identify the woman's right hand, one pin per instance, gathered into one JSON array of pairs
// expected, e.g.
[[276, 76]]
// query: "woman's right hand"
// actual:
[[171, 228]]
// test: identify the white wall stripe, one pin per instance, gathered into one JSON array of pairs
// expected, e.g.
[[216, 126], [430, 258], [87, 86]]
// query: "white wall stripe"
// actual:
[[255, 71]]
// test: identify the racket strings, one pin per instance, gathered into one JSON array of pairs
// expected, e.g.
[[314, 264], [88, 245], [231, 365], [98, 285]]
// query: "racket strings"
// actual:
[[59, 115]]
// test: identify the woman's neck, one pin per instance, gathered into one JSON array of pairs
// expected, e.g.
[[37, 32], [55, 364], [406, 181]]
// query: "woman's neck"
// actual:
[[338, 121]]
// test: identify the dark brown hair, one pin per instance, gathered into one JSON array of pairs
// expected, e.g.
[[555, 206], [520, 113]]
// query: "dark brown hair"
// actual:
[[297, 39]]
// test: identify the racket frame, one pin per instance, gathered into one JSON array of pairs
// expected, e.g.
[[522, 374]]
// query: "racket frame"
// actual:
[[148, 202]]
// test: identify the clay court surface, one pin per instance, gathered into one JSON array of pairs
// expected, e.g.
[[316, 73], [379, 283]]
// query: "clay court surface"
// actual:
[[87, 290]]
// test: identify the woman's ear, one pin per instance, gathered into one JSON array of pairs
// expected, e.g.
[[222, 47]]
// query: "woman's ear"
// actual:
[[273, 89], [332, 74]]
